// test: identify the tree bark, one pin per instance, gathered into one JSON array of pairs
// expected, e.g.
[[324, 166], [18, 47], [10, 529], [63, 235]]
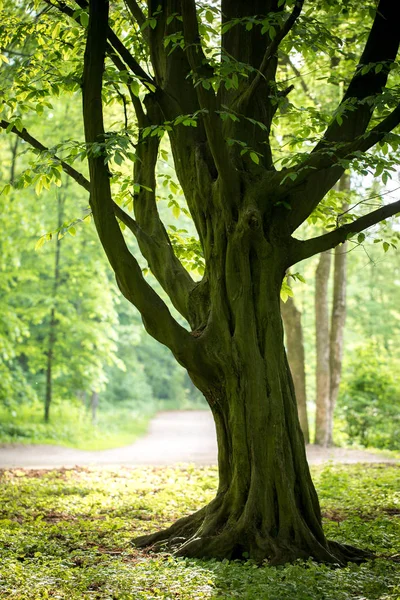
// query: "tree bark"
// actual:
[[338, 318], [295, 352], [322, 350], [53, 319]]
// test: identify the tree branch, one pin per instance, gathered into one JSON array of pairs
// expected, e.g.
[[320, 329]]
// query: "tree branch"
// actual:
[[305, 193], [269, 54], [206, 97], [115, 43], [27, 137], [381, 48], [156, 316], [307, 248], [156, 246], [136, 12]]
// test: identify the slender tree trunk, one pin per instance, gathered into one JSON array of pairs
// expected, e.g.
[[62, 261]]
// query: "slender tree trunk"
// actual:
[[295, 352], [53, 318], [322, 348], [94, 403], [338, 318]]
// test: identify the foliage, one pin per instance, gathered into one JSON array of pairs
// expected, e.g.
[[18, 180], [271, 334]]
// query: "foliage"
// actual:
[[67, 534], [370, 399], [71, 425]]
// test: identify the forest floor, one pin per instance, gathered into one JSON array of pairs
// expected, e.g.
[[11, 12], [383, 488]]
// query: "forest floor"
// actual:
[[67, 534], [173, 437]]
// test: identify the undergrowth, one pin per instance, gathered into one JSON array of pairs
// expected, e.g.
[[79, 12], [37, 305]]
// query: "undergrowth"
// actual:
[[67, 534], [71, 425]]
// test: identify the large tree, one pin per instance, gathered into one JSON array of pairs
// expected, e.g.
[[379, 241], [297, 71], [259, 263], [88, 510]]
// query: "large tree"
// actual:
[[209, 77]]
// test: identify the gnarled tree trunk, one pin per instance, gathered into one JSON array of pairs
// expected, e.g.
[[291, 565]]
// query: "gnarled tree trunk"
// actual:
[[266, 505]]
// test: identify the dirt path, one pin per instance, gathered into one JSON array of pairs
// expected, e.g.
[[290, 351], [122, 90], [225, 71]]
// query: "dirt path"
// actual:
[[173, 437]]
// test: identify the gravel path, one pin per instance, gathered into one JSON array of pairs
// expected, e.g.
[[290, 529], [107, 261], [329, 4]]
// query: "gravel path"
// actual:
[[173, 437]]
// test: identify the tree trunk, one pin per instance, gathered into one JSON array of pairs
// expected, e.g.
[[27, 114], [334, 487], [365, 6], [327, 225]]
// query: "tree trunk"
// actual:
[[94, 403], [322, 348], [295, 352], [338, 317], [266, 505], [53, 319]]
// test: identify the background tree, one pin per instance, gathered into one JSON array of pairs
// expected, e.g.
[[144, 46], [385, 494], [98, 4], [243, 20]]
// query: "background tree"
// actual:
[[291, 317], [207, 85]]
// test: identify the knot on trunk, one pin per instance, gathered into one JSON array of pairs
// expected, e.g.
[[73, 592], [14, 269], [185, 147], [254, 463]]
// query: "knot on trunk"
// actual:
[[252, 218]]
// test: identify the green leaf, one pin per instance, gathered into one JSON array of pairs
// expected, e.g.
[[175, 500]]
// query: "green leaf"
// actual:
[[255, 158], [360, 238], [56, 30], [209, 16], [39, 186], [386, 246], [176, 211], [40, 243], [6, 189], [84, 19], [135, 87]]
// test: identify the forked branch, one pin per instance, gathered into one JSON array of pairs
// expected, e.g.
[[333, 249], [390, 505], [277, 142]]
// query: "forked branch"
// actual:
[[206, 96]]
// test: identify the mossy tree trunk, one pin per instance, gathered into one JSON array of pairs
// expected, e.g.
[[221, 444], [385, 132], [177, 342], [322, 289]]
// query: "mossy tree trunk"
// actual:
[[266, 505]]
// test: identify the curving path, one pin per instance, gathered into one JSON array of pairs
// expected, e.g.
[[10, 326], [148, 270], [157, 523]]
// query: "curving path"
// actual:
[[173, 437]]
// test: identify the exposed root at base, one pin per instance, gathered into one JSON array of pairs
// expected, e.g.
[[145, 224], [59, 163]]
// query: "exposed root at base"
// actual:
[[184, 538]]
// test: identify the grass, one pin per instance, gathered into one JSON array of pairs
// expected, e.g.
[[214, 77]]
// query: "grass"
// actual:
[[70, 425], [67, 534]]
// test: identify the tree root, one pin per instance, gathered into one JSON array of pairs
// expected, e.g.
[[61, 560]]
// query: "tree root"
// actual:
[[185, 538]]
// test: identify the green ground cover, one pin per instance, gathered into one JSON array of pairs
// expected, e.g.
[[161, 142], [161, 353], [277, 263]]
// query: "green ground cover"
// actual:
[[71, 426], [67, 534]]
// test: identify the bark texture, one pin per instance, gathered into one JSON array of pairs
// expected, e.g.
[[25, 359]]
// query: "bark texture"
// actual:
[[295, 352], [322, 400]]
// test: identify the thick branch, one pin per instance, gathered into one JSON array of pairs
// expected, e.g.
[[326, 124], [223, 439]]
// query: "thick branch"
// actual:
[[136, 12], [307, 248], [381, 48], [157, 247], [270, 53], [206, 97], [156, 316], [356, 108]]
